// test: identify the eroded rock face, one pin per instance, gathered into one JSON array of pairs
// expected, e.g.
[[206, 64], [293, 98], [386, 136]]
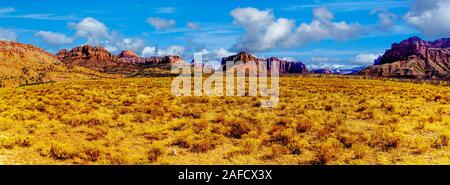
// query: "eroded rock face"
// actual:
[[96, 58], [287, 67], [99, 59], [284, 66], [170, 59], [128, 54], [414, 58]]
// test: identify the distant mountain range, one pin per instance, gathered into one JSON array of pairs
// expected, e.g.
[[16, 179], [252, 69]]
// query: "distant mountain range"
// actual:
[[354, 70], [414, 58], [99, 59], [26, 64]]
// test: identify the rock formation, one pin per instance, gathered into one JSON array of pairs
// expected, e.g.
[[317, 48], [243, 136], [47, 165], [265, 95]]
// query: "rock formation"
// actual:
[[284, 66], [414, 58], [96, 58], [23, 64]]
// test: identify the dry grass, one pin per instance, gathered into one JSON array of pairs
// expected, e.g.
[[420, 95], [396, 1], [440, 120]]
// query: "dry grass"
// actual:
[[138, 121]]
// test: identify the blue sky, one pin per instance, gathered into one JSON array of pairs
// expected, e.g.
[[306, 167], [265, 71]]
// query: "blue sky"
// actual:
[[318, 32]]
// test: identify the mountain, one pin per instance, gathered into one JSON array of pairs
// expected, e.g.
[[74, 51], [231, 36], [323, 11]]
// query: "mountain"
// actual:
[[95, 58], [126, 62], [414, 58], [284, 66], [128, 56], [22, 64], [343, 71]]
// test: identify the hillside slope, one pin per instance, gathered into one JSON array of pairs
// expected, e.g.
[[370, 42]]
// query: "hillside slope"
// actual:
[[22, 64], [414, 58]]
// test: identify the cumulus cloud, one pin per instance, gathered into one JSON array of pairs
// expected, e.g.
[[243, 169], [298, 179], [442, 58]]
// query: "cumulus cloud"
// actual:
[[323, 14], [97, 33], [215, 54], [54, 39], [192, 25], [214, 57], [263, 31], [160, 23], [365, 58], [116, 43], [150, 51], [7, 35], [91, 29], [430, 17], [172, 50], [386, 19]]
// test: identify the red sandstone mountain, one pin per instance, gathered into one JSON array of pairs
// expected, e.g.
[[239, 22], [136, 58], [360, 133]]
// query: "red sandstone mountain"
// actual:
[[414, 58], [99, 59], [96, 58], [284, 66], [22, 64], [132, 58], [128, 54]]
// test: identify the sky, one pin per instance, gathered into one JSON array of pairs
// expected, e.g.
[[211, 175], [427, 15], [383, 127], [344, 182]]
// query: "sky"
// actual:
[[320, 33]]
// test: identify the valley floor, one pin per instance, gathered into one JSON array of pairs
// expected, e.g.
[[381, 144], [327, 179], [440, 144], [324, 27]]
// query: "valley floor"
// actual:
[[139, 121]]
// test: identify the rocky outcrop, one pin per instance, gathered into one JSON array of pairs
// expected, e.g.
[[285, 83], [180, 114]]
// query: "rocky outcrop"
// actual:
[[284, 66], [170, 59], [128, 54], [99, 59], [414, 58], [22, 64], [132, 58], [287, 67], [96, 58]]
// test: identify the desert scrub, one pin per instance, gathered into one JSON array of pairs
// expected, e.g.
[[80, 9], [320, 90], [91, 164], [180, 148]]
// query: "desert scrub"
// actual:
[[319, 120], [62, 151]]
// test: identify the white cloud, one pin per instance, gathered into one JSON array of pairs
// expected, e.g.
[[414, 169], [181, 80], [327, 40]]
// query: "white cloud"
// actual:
[[430, 17], [5, 10], [324, 59], [215, 55], [172, 50], [386, 19], [133, 44], [54, 39], [165, 10], [330, 66], [192, 25], [150, 51], [91, 29], [263, 31], [289, 59], [323, 13], [97, 33], [160, 23], [7, 35], [365, 58]]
